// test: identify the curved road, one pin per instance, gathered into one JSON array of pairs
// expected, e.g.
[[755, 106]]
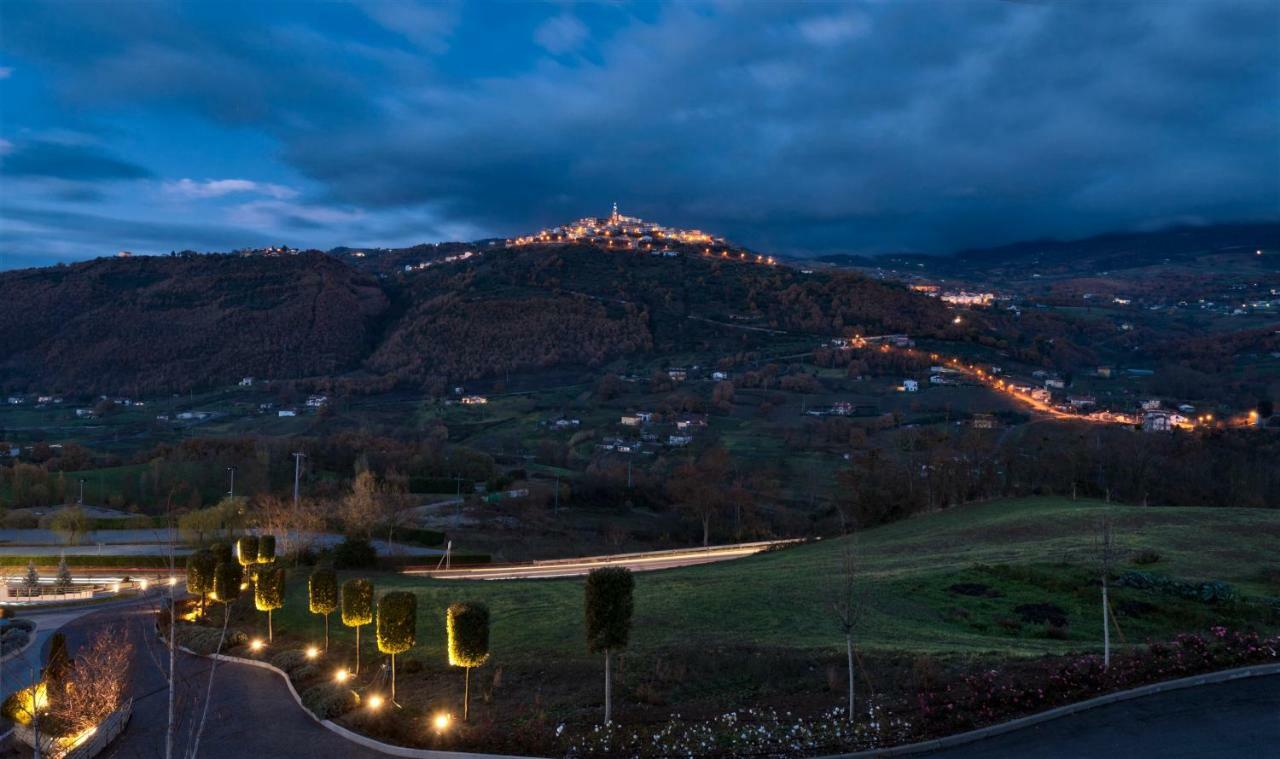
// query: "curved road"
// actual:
[[1238, 719], [251, 713]]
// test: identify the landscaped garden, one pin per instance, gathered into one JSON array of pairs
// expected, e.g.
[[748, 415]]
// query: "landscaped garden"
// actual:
[[966, 617]]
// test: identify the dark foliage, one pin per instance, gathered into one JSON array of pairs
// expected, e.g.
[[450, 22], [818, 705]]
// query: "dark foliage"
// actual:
[[609, 605], [355, 553], [397, 623], [468, 633]]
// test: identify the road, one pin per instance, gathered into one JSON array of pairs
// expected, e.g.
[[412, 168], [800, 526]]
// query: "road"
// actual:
[[1235, 719], [636, 562], [251, 713]]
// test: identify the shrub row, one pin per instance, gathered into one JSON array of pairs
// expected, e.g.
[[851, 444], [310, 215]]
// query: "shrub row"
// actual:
[[329, 700], [1210, 592]]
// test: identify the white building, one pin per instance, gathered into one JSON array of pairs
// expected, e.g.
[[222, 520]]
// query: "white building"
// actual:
[[286, 412], [910, 386]]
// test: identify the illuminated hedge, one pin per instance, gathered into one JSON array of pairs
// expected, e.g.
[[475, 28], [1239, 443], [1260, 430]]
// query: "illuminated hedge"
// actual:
[[269, 592], [226, 582], [609, 605], [468, 629], [357, 602], [200, 566], [322, 591], [397, 622], [266, 549], [247, 550]]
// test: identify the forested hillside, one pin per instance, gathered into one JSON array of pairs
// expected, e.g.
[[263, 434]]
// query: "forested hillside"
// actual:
[[167, 324]]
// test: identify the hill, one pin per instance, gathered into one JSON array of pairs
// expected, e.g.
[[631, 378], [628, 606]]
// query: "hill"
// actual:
[[921, 579], [144, 325]]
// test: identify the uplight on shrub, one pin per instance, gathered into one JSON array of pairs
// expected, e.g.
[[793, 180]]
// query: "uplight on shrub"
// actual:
[[397, 627], [357, 608], [467, 625], [322, 596], [269, 593]]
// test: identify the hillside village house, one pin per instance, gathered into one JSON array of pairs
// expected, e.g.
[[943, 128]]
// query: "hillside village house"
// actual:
[[677, 441], [286, 412], [1040, 394], [910, 386], [1081, 401], [16, 400], [474, 400], [1157, 421], [1054, 383], [678, 375]]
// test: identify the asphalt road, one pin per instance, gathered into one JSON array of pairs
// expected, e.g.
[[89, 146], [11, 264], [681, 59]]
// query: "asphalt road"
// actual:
[[1234, 720], [251, 713]]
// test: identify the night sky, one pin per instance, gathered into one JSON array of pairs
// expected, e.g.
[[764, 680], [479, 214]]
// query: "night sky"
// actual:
[[802, 129]]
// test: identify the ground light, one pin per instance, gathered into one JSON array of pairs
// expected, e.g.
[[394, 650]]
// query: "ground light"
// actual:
[[143, 584], [256, 644], [341, 675], [441, 722], [312, 652], [375, 702]]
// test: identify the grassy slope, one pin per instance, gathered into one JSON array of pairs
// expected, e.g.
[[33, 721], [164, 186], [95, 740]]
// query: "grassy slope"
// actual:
[[781, 599]]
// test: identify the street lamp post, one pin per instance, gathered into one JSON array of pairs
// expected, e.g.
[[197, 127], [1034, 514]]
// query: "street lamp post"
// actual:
[[297, 469], [231, 471]]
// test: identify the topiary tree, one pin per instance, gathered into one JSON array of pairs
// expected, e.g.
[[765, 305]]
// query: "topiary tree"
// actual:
[[266, 549], [397, 627], [32, 580], [223, 553], [269, 593], [322, 596], [467, 625], [357, 608], [247, 550], [609, 605], [200, 566], [226, 582]]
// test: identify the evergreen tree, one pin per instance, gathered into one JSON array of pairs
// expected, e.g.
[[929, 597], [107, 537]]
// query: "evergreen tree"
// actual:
[[63, 583]]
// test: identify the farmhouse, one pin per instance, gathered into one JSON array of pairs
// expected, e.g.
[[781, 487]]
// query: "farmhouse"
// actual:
[[474, 400]]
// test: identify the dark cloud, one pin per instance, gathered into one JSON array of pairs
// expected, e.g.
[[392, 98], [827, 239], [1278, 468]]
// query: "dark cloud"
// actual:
[[856, 126], [56, 160]]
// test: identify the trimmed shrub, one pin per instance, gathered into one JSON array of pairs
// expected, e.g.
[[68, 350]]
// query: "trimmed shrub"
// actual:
[[227, 577], [266, 549], [200, 567], [397, 622], [247, 550], [269, 592], [357, 602], [223, 553], [468, 632], [609, 605], [304, 673], [322, 591], [204, 640], [329, 700]]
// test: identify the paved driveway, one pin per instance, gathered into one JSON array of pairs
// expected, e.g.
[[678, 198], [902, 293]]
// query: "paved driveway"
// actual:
[[1239, 719]]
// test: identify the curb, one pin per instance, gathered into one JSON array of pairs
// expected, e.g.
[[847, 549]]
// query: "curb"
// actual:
[[350, 735], [991, 731]]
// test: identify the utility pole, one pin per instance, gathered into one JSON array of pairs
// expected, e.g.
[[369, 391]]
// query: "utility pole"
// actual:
[[231, 470], [297, 470], [81, 501], [557, 507], [628, 473]]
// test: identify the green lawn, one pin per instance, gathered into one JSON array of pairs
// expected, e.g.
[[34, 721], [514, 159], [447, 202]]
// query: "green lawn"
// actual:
[[1029, 551]]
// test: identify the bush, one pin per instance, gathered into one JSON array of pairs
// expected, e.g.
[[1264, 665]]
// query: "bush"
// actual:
[[467, 625], [329, 700], [288, 660], [304, 673], [397, 622], [200, 568], [1147, 557], [418, 536], [355, 553], [226, 581], [204, 640]]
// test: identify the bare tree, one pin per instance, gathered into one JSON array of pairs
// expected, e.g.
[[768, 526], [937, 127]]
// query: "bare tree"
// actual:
[[96, 684], [361, 509], [848, 603]]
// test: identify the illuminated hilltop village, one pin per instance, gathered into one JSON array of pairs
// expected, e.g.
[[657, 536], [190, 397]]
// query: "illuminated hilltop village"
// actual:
[[618, 232]]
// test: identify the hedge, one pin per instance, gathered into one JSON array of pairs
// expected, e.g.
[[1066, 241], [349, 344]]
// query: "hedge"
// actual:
[[397, 622], [468, 631], [329, 700], [247, 550], [357, 602], [150, 561], [609, 605], [419, 536]]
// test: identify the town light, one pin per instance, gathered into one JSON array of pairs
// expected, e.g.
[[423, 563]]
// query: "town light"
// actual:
[[341, 675], [142, 584], [441, 722], [375, 702], [256, 644], [312, 652]]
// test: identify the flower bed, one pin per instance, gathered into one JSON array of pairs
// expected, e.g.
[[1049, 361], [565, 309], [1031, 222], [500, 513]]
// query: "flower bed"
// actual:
[[966, 703]]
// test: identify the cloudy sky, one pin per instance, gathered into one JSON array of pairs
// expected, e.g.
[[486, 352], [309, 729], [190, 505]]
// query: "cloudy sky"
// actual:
[[798, 128]]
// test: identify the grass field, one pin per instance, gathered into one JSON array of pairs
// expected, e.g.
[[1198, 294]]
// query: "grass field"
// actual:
[[1025, 551]]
